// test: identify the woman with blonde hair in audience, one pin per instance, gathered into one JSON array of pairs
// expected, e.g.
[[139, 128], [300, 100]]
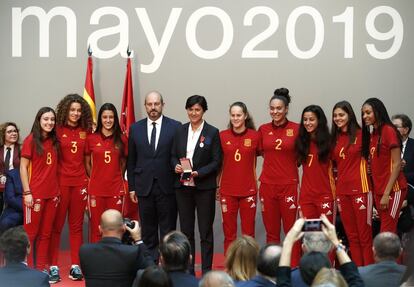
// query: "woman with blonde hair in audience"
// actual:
[[241, 258], [329, 277]]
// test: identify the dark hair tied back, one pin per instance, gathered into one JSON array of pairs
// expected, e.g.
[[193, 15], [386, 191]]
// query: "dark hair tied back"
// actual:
[[283, 95]]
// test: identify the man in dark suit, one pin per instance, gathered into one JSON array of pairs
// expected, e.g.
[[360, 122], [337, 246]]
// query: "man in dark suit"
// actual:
[[175, 257], [404, 125], [150, 176], [199, 143], [109, 262], [267, 263], [15, 246], [385, 272]]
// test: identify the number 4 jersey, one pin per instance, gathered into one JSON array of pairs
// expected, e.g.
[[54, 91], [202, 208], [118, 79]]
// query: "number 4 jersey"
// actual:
[[238, 177]]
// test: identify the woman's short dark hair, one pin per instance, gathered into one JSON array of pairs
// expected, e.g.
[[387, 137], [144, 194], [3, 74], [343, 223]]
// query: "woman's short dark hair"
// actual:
[[310, 264], [405, 121], [3, 128], [196, 99]]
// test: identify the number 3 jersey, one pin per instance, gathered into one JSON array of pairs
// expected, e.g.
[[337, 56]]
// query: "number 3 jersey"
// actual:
[[106, 177], [238, 176], [42, 168], [71, 170]]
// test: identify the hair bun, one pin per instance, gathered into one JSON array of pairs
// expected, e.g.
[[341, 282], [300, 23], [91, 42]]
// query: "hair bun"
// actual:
[[282, 92]]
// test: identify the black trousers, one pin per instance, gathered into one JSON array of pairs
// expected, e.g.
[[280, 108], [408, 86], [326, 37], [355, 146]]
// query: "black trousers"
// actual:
[[158, 216], [189, 201]]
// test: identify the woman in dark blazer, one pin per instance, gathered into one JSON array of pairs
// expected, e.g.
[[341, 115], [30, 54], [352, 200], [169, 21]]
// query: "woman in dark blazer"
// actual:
[[199, 143], [9, 144]]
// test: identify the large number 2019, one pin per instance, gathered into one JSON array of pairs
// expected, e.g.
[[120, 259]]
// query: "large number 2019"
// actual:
[[396, 32]]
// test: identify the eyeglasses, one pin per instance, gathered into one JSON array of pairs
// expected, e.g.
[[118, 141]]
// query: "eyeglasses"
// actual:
[[11, 131]]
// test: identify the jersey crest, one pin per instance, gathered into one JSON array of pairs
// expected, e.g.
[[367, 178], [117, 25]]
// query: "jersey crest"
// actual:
[[289, 132], [247, 142]]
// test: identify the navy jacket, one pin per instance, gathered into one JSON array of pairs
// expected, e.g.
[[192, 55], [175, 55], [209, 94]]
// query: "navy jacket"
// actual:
[[143, 164], [257, 281], [206, 159], [13, 212], [19, 275]]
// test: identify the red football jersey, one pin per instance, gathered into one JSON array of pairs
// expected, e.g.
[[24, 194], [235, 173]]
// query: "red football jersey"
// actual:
[[42, 169], [381, 164], [352, 175], [238, 176], [71, 170], [278, 147], [317, 178], [106, 176]]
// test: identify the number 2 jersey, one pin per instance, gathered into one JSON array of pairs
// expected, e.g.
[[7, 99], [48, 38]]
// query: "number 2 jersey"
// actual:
[[106, 177], [238, 177], [278, 146], [42, 168]]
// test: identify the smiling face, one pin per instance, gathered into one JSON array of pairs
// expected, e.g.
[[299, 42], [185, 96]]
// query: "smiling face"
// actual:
[[368, 115], [310, 122], [107, 120], [341, 119], [47, 123], [237, 117], [278, 111], [195, 114], [74, 114], [11, 135]]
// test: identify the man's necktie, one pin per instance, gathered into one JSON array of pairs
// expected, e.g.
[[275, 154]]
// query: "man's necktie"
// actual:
[[153, 135], [7, 159]]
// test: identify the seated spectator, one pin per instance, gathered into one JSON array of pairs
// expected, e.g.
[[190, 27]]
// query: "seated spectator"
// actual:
[[267, 262], [109, 262], [313, 241], [175, 258], [385, 271], [154, 276], [241, 258], [329, 277], [216, 279], [347, 267], [408, 277], [15, 246], [310, 264], [13, 212]]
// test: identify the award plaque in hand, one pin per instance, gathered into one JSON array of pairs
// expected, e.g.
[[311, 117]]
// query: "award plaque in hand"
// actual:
[[187, 169]]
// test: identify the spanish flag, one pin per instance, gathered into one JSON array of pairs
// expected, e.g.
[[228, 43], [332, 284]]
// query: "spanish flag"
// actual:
[[88, 92], [127, 110]]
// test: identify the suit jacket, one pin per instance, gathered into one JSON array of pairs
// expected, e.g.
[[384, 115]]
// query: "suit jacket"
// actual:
[[143, 164], [16, 161], [257, 281], [13, 213], [19, 275], [206, 159], [382, 274], [180, 278], [408, 156], [110, 263]]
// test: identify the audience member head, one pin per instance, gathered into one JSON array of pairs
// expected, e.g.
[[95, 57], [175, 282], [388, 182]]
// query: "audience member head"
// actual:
[[154, 276], [112, 224], [268, 260], [316, 241], [329, 277], [311, 263], [216, 279], [15, 245], [175, 251], [408, 277], [241, 258], [386, 246]]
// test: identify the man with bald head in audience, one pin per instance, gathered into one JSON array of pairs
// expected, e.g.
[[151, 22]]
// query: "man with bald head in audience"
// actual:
[[110, 262]]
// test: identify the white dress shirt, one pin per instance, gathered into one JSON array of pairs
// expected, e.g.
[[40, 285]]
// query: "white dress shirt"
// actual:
[[192, 140]]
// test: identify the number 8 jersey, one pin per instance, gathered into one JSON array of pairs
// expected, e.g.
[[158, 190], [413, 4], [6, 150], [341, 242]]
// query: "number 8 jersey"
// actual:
[[238, 177]]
